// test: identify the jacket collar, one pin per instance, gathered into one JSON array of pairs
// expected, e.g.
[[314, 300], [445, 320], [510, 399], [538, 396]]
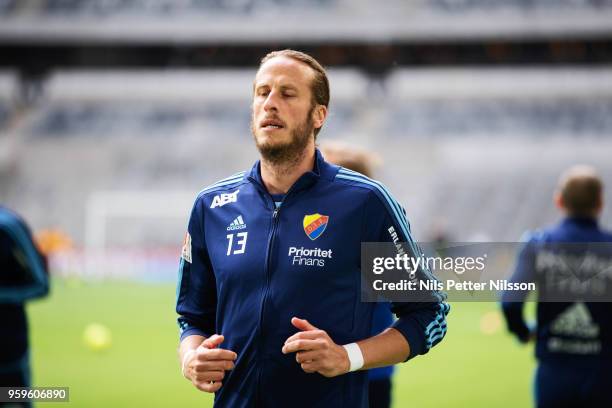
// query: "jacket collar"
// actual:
[[588, 222], [321, 170]]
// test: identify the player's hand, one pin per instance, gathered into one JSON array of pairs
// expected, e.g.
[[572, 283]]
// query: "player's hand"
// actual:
[[315, 351], [206, 367], [533, 335]]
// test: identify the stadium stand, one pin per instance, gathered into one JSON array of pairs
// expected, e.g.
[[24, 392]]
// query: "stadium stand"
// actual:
[[455, 6], [501, 103], [470, 147], [153, 131], [218, 21], [479, 148], [8, 97]]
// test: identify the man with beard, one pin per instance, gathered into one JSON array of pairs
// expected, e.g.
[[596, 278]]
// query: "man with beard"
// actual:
[[269, 279]]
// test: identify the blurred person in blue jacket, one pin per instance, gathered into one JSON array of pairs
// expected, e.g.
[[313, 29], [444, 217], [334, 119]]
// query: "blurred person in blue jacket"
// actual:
[[23, 276], [573, 333]]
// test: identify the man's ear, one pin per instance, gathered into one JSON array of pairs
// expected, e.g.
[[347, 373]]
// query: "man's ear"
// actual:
[[558, 200], [318, 115], [600, 205]]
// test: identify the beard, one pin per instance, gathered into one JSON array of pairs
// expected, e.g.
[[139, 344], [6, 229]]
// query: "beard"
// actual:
[[288, 153]]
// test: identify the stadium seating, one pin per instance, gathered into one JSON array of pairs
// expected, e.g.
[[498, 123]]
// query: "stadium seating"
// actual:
[[458, 6], [217, 21], [157, 7], [165, 7], [8, 96], [480, 149]]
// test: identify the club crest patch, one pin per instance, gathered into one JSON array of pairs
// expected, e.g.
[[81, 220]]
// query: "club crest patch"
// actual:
[[314, 225], [186, 252]]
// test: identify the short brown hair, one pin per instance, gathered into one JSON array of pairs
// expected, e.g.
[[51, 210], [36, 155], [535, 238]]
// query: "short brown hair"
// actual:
[[350, 157], [320, 83], [581, 189]]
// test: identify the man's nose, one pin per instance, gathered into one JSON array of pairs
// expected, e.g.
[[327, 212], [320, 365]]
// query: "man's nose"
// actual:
[[271, 102]]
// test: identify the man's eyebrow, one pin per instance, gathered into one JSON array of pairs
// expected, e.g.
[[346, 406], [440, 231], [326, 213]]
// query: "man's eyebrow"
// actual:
[[260, 85]]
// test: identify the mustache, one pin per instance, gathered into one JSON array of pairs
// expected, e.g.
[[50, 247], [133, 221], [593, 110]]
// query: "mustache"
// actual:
[[272, 118]]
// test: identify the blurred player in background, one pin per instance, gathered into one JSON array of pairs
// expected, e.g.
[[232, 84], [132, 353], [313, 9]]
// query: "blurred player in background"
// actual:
[[573, 339], [363, 162], [23, 276]]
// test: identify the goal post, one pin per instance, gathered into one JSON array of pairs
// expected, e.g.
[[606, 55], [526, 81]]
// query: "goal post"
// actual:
[[133, 234]]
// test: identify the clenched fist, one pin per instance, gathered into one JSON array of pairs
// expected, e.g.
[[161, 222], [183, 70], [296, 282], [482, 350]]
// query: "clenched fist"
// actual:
[[315, 351], [205, 366]]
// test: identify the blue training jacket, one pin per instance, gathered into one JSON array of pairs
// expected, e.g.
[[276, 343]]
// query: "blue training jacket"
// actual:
[[23, 276], [566, 331], [247, 268]]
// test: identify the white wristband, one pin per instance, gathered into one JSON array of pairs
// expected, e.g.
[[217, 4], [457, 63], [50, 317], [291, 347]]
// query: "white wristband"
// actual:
[[185, 358], [355, 356]]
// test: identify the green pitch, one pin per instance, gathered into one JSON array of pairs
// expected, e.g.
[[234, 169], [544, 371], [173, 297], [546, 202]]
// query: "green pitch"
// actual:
[[140, 369]]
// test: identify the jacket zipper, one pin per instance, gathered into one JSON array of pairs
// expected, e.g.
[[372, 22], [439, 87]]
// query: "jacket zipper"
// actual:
[[265, 294], [271, 237]]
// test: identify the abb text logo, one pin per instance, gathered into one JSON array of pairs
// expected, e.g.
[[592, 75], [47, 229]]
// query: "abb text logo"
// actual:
[[226, 198]]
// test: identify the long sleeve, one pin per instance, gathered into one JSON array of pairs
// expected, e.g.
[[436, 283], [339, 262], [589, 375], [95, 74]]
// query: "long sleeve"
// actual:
[[24, 271], [513, 301], [422, 323], [196, 294]]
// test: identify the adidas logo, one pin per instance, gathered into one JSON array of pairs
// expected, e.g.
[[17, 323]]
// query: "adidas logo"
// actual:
[[237, 224], [575, 321]]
